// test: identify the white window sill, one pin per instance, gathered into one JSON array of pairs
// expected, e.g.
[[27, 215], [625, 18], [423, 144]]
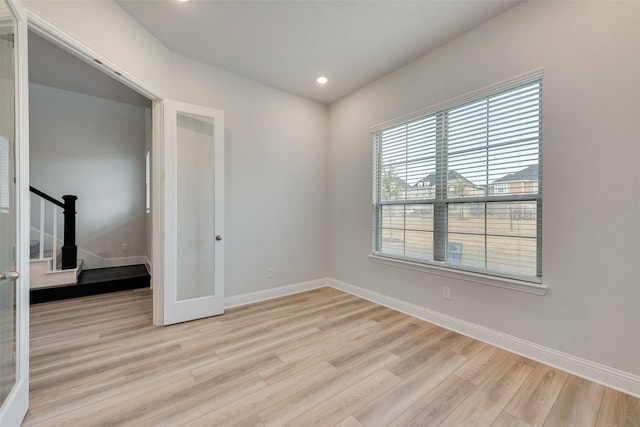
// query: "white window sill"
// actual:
[[460, 274]]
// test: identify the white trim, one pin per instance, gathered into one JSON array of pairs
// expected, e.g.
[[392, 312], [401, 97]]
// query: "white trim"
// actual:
[[66, 41], [43, 276], [157, 209], [463, 99], [14, 408], [92, 260], [592, 371], [147, 265], [267, 294], [461, 274]]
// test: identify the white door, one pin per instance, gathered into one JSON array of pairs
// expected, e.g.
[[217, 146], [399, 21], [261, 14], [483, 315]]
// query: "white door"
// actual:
[[14, 292], [193, 279]]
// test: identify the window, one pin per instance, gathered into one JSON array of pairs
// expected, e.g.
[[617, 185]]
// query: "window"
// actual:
[[460, 187], [147, 174], [501, 188]]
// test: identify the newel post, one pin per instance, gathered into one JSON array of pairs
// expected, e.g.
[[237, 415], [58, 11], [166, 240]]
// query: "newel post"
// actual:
[[69, 249]]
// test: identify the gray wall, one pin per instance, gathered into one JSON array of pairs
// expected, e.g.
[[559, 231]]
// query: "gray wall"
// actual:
[[93, 148], [275, 177], [591, 171]]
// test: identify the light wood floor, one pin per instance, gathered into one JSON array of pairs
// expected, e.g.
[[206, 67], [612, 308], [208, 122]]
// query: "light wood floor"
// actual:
[[317, 358]]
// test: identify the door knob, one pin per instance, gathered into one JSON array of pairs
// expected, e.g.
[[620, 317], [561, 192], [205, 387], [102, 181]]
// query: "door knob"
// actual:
[[12, 276], [218, 237]]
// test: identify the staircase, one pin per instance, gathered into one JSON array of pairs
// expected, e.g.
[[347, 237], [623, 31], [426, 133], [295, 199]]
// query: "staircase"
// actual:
[[56, 273], [53, 264], [46, 268]]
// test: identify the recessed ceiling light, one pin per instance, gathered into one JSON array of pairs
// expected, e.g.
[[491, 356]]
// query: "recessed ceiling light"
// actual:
[[183, 1], [322, 80]]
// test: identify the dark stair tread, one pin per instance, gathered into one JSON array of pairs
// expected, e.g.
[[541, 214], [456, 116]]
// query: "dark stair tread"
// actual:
[[97, 281]]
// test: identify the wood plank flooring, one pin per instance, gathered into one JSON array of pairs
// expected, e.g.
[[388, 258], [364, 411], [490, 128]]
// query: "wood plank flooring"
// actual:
[[322, 358]]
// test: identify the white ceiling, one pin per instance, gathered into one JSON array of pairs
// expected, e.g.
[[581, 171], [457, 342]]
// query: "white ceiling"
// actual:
[[287, 44]]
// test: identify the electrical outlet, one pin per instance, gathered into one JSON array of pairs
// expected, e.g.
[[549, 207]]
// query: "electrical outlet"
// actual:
[[125, 247], [271, 272], [446, 292]]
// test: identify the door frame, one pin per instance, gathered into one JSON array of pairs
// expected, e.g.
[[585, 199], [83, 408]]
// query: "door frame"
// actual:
[[60, 38], [15, 406], [50, 32], [55, 35]]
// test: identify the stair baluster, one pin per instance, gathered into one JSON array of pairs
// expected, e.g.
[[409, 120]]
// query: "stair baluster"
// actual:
[[41, 228], [55, 238], [69, 249]]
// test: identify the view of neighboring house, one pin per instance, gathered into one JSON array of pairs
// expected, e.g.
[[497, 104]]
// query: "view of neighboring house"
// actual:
[[395, 188], [457, 186], [524, 181]]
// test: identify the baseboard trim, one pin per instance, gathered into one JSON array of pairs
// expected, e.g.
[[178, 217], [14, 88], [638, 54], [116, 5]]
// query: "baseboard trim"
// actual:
[[93, 261], [147, 264], [592, 371], [267, 294]]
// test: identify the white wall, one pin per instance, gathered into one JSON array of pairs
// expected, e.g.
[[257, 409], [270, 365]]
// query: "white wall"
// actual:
[[92, 148], [591, 171], [275, 176], [106, 29]]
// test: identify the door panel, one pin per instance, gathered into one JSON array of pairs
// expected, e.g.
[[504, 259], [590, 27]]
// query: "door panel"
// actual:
[[14, 303], [7, 205], [195, 216], [193, 211]]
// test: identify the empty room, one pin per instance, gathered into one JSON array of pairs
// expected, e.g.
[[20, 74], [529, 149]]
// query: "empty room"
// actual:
[[347, 213]]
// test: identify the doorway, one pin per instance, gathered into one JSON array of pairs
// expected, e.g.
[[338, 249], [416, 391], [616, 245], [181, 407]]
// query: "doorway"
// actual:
[[89, 136]]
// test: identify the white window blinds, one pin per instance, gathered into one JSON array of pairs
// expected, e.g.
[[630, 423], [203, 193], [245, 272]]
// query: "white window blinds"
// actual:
[[462, 186]]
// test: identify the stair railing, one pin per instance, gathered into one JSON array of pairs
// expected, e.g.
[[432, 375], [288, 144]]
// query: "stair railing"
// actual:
[[69, 249]]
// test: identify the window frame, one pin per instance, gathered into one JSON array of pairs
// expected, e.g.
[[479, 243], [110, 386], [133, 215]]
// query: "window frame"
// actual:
[[439, 265]]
